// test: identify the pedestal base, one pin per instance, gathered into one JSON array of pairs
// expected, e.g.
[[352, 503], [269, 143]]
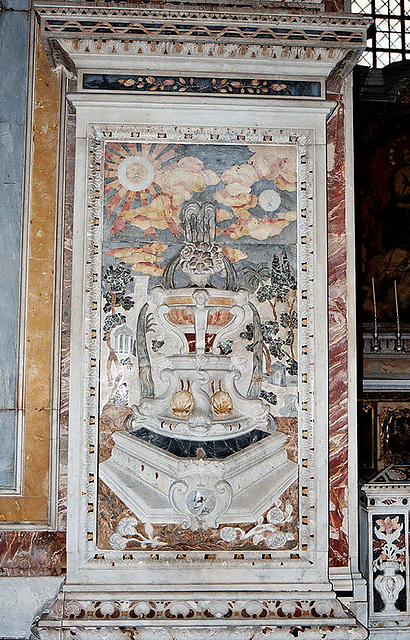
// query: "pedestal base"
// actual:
[[147, 479]]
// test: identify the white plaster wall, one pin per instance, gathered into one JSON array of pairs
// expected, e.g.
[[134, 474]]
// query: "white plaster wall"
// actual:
[[21, 599]]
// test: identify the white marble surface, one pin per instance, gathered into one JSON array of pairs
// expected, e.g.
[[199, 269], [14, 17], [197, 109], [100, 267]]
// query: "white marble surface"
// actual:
[[26, 598]]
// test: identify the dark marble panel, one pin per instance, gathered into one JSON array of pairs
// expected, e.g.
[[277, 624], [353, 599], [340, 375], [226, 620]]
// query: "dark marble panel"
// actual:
[[210, 448], [13, 78], [16, 5], [232, 86]]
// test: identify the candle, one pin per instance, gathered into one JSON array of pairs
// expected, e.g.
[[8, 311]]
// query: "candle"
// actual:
[[396, 299], [374, 297]]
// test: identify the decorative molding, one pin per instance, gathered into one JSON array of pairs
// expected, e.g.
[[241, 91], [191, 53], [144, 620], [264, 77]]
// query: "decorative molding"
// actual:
[[206, 609], [324, 618], [275, 18], [388, 342], [220, 632], [58, 57], [91, 33], [342, 69]]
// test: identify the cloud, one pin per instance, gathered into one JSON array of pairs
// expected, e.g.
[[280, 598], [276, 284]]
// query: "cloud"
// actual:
[[289, 215], [239, 178], [142, 259], [275, 163], [183, 179], [155, 215], [260, 229], [223, 214], [211, 177], [243, 200], [234, 255]]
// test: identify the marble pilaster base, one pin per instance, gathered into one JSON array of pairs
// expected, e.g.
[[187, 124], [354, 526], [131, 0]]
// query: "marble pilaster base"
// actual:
[[120, 616]]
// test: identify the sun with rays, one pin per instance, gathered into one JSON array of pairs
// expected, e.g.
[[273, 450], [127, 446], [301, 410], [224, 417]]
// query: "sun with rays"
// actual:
[[130, 187], [145, 185]]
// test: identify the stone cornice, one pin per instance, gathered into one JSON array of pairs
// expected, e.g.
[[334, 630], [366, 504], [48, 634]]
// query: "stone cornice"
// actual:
[[79, 36]]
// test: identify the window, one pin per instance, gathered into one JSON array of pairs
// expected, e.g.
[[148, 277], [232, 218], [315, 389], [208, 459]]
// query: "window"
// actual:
[[390, 34]]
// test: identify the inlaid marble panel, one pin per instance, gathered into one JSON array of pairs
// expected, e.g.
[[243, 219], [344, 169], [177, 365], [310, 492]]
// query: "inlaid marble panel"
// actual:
[[198, 375], [38, 553], [338, 344], [257, 87], [13, 92], [222, 219], [32, 505]]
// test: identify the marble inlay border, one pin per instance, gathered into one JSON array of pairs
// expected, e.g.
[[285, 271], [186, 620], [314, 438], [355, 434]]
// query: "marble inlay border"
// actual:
[[258, 87], [97, 135], [277, 32]]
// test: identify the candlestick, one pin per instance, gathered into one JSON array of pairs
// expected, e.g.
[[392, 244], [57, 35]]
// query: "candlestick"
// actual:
[[399, 347], [376, 342], [396, 300], [374, 298]]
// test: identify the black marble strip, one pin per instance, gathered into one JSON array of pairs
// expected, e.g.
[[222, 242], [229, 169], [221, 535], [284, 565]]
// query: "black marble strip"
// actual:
[[206, 448], [222, 86]]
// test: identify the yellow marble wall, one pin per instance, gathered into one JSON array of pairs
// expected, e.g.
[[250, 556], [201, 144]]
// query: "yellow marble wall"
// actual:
[[33, 504]]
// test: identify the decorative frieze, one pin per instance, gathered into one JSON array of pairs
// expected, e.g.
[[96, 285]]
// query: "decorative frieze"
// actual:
[[181, 619], [201, 85]]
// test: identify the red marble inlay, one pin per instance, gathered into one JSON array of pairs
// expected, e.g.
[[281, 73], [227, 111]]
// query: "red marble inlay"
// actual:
[[334, 5], [27, 553], [338, 382]]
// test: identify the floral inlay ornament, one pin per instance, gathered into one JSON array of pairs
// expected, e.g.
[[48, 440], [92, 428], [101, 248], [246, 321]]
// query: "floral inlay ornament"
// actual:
[[266, 530], [389, 560], [126, 532], [238, 86]]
